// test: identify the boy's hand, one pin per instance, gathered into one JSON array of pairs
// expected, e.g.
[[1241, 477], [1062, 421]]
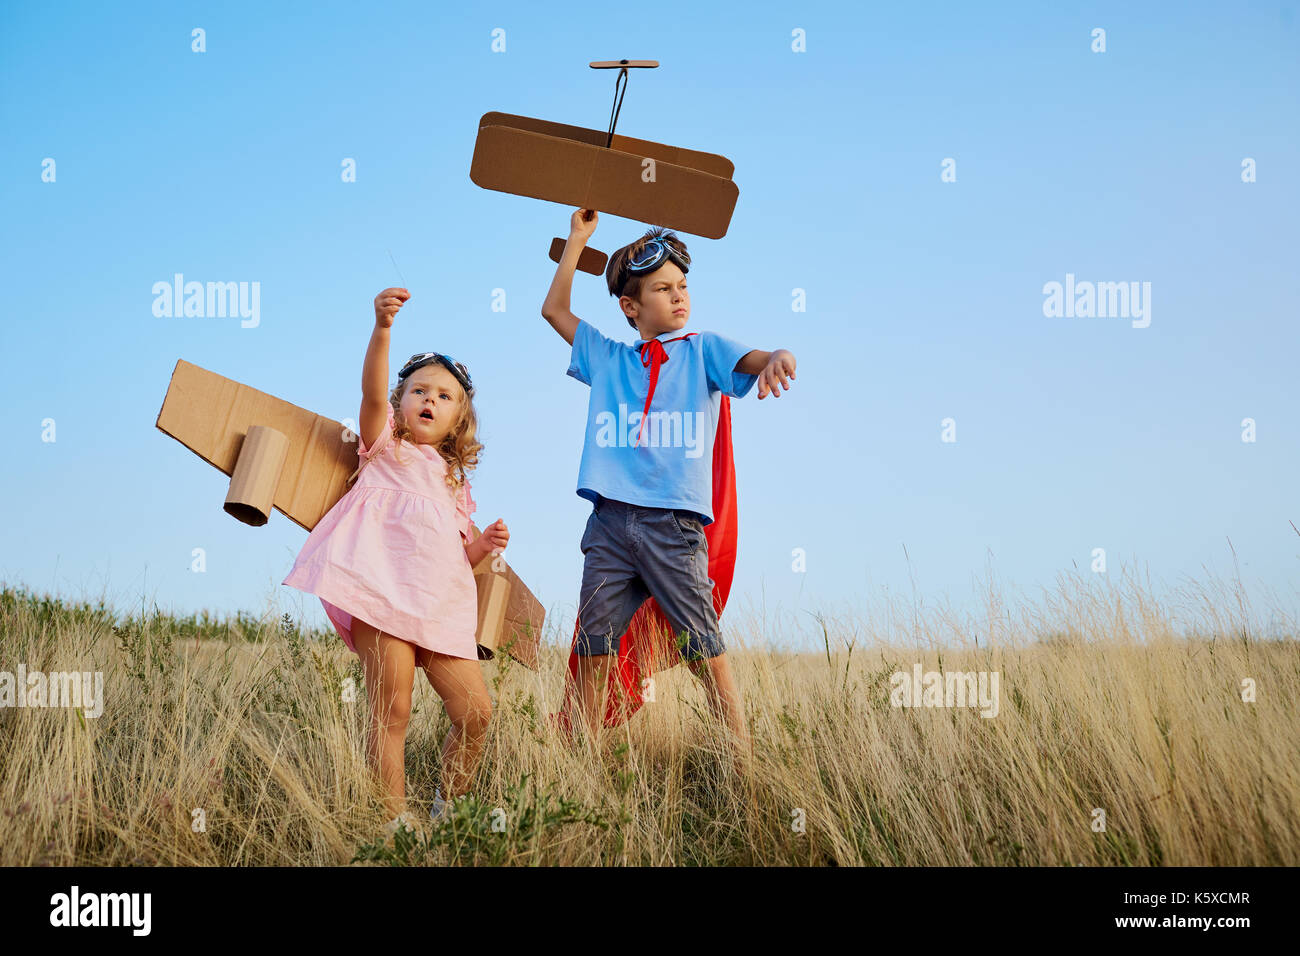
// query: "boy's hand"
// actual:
[[773, 376], [386, 305], [583, 223], [493, 540]]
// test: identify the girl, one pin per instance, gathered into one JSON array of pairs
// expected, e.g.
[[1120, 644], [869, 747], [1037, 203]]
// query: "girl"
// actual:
[[391, 561]]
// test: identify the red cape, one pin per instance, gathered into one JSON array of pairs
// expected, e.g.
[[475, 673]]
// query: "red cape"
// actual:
[[648, 644]]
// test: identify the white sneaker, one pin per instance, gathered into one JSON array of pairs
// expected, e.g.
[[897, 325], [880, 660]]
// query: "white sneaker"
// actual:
[[440, 808], [403, 819]]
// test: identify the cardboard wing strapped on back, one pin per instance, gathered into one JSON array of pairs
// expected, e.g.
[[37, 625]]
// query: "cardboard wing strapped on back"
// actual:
[[281, 456]]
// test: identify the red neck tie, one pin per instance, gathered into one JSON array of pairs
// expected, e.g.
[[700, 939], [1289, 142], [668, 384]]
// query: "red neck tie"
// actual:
[[653, 354]]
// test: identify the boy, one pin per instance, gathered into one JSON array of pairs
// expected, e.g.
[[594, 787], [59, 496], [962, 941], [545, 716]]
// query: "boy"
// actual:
[[648, 472]]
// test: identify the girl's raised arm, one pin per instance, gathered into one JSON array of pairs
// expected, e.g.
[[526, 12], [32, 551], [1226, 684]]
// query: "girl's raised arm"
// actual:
[[374, 375]]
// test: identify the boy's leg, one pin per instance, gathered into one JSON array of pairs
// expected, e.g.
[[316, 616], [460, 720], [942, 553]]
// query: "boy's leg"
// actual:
[[724, 698], [459, 682], [674, 560], [593, 689], [389, 665], [611, 593]]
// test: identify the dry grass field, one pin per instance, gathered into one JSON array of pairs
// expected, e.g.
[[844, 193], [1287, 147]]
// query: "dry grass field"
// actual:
[[230, 743]]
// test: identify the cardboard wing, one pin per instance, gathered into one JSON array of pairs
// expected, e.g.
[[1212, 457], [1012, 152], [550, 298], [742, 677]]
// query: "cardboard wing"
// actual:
[[690, 190], [281, 456], [509, 617], [211, 415]]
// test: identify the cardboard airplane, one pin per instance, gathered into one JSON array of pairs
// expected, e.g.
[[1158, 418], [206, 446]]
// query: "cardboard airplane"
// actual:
[[691, 191], [281, 456]]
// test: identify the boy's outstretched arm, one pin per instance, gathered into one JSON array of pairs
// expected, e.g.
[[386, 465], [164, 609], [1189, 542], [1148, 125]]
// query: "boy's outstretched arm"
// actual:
[[556, 307], [771, 369]]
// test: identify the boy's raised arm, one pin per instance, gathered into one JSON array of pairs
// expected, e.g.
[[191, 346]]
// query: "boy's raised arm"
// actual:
[[556, 307]]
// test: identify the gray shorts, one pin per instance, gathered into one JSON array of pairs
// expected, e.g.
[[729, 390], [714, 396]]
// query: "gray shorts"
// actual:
[[633, 553]]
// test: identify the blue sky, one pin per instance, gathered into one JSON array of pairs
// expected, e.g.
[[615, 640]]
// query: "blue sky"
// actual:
[[924, 298]]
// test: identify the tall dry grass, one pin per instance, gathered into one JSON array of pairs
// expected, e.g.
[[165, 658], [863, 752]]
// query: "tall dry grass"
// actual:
[[1109, 700]]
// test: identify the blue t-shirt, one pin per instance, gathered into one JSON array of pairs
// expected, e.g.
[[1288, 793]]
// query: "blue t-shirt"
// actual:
[[673, 465]]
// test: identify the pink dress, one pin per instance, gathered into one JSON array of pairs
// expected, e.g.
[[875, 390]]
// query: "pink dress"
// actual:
[[392, 551]]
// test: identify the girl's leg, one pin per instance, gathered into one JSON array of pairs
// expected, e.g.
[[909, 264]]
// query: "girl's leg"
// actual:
[[459, 682], [389, 665]]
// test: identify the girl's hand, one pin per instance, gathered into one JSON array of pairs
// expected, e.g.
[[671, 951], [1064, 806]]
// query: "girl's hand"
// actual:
[[494, 538], [386, 305], [583, 223], [779, 365]]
